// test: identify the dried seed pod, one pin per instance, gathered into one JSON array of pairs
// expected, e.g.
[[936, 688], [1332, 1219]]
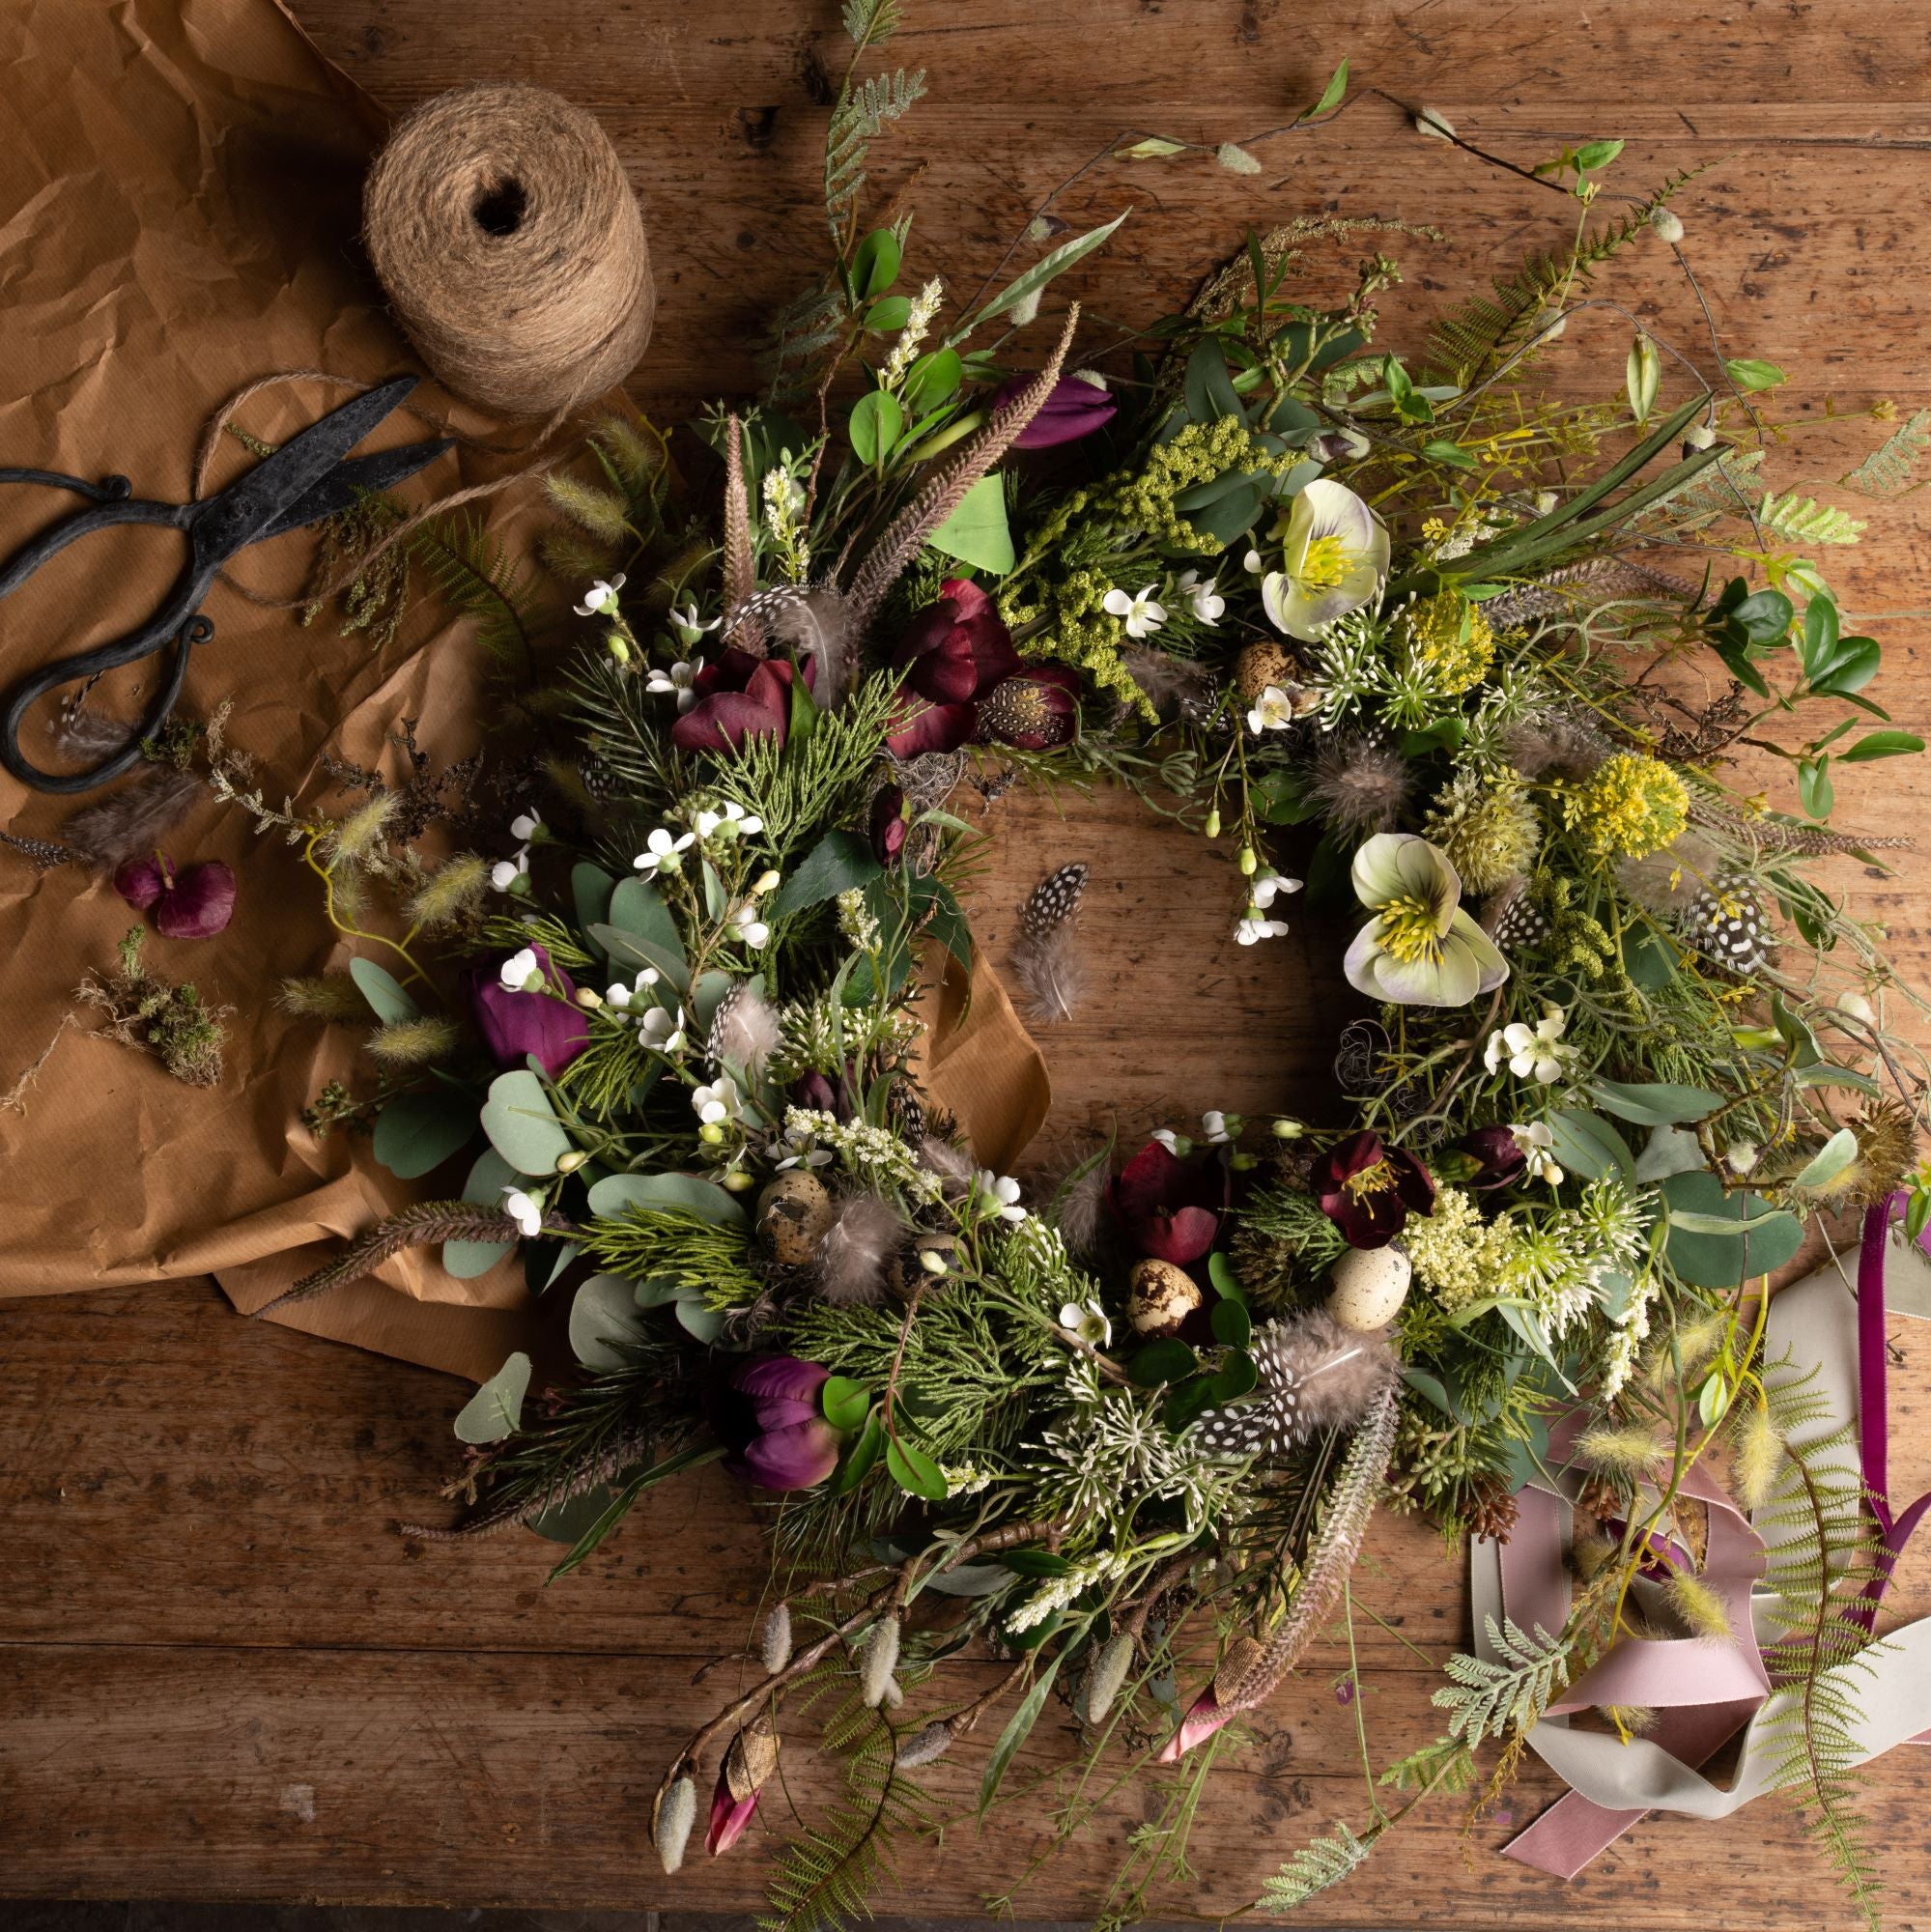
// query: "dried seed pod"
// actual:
[[1107, 1675], [774, 1639], [878, 1659], [672, 1816]]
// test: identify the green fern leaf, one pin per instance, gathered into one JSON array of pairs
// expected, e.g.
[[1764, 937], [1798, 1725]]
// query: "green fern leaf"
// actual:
[[1804, 519], [472, 573], [1886, 470], [1315, 1868], [862, 115], [1484, 1698]]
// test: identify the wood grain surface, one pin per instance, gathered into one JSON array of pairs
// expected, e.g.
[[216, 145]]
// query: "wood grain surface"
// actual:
[[226, 1677]]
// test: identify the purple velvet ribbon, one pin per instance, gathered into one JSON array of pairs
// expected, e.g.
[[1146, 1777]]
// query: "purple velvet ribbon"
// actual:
[[1874, 1408]]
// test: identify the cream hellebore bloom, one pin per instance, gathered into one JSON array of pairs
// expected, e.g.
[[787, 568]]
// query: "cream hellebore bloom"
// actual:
[[1532, 1053], [1142, 615], [680, 678], [527, 1214], [1335, 554], [1420, 949], [999, 1193], [1207, 604], [663, 853], [1537, 1142], [520, 973], [1088, 1320], [601, 596]]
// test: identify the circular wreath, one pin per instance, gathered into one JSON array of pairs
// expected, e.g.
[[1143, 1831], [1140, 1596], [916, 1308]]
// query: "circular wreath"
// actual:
[[1124, 1428]]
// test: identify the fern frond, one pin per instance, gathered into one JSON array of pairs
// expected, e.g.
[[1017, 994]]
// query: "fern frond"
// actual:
[[473, 573], [1484, 1698], [1315, 1868], [1446, 1765], [862, 115], [870, 23], [1804, 519], [1468, 342], [1886, 470]]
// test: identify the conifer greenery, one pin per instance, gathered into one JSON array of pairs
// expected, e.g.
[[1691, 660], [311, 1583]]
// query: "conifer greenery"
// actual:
[[1428, 636]]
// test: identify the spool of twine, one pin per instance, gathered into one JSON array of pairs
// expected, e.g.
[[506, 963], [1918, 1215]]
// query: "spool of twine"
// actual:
[[511, 247]]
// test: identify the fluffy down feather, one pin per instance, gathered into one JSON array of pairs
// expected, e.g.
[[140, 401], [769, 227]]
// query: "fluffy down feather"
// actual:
[[132, 821], [1050, 968], [746, 1032], [852, 1252], [1361, 782], [953, 1165]]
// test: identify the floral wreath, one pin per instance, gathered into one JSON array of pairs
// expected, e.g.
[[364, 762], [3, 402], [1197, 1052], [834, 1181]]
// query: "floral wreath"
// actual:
[[1122, 1429]]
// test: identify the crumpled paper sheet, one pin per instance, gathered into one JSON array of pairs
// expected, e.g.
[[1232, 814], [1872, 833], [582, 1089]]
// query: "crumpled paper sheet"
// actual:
[[179, 201]]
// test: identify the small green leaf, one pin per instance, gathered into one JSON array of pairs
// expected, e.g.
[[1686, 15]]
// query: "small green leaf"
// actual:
[[1586, 1144], [1153, 147], [877, 421], [846, 1404], [1814, 790], [1036, 1563], [932, 379], [891, 313], [488, 1177], [1330, 95], [1237, 1375], [1025, 287], [1166, 1362], [522, 1124], [1232, 1324], [1882, 745], [1748, 374], [915, 1473], [1439, 450], [415, 1132], [875, 264], [977, 532], [1593, 155], [495, 1409], [1226, 1282], [1829, 1160], [861, 1459], [1707, 1259], [1669, 1151], [603, 1316], [1018, 1727], [384, 992], [1642, 377], [1656, 1103], [837, 864]]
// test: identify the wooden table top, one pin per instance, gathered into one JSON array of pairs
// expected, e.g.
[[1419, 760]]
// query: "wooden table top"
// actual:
[[228, 1678]]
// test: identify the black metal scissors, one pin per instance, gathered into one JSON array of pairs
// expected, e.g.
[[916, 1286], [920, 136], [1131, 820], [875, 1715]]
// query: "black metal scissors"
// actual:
[[308, 478]]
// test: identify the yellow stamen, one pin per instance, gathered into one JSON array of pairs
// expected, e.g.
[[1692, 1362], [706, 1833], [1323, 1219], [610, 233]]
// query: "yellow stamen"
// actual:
[[1324, 565], [1408, 930], [1375, 1179]]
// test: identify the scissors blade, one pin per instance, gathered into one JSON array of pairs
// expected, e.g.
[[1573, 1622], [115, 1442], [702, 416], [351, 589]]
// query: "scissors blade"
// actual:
[[350, 480], [243, 512]]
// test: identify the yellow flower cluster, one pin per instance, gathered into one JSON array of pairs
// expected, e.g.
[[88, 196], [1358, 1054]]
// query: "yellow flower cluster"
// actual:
[[1453, 641], [1455, 1252], [1628, 807], [1487, 826]]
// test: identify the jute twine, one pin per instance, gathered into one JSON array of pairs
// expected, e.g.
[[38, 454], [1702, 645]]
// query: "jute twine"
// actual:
[[505, 234]]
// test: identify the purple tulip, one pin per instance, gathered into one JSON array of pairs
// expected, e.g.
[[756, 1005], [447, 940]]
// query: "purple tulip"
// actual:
[[1076, 408], [793, 1447], [1368, 1190], [195, 902], [515, 1024], [1162, 1203], [740, 696]]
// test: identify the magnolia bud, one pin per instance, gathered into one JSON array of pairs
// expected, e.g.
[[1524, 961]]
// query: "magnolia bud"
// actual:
[[1248, 861], [671, 1818], [774, 1639], [1107, 1675], [877, 1661], [1667, 225], [570, 1162], [737, 1180], [1287, 1130], [589, 999], [1213, 826]]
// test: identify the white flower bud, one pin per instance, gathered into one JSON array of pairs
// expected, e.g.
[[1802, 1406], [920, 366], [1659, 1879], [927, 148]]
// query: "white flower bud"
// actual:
[[569, 1163], [774, 1643], [588, 1000], [1667, 225], [672, 1815], [878, 1659]]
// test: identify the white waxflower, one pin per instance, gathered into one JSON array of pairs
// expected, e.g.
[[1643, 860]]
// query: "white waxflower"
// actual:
[[1251, 931], [662, 1029], [601, 596], [1533, 1053], [1207, 604], [718, 1101], [525, 1212], [1273, 711], [690, 629], [624, 998], [730, 819], [798, 1138], [1537, 1143], [505, 873], [747, 929], [663, 852], [524, 827], [1213, 1124], [1142, 615], [520, 973], [1088, 1320], [999, 1193], [1169, 1140], [1266, 886], [680, 679]]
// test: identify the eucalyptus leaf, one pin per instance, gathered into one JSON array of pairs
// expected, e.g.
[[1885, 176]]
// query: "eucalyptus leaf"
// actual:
[[415, 1132], [1829, 1160], [602, 1313], [522, 1124], [701, 1324], [1669, 1151], [656, 1192], [384, 992], [1725, 1259], [495, 1409], [1586, 1144], [488, 1177], [1653, 1103]]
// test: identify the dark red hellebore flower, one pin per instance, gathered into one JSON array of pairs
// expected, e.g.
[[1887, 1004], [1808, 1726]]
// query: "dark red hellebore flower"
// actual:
[[1368, 1191], [195, 902], [1161, 1202]]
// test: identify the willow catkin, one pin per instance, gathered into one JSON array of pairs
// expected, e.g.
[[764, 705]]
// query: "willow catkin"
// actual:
[[505, 234]]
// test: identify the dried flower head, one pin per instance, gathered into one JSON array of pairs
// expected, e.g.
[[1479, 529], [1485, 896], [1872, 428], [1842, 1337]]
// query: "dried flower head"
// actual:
[[1699, 1608], [413, 1042], [355, 837], [333, 997], [1488, 826], [1887, 1152], [1361, 784], [449, 893], [1758, 1455], [1453, 641], [1629, 807]]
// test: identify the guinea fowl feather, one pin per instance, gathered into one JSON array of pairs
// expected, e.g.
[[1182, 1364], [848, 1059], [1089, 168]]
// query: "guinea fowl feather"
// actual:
[[852, 1252]]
